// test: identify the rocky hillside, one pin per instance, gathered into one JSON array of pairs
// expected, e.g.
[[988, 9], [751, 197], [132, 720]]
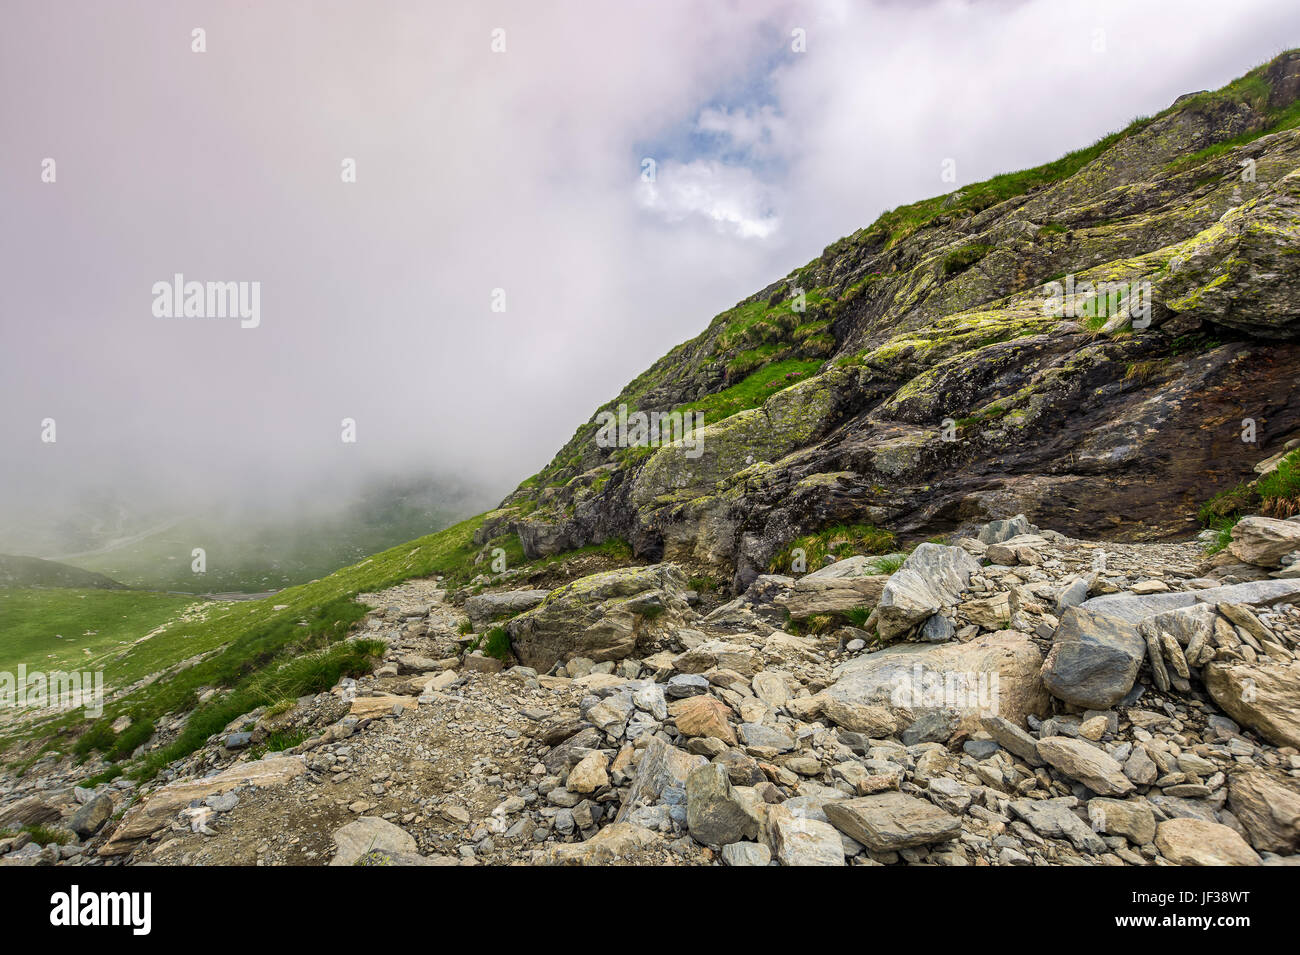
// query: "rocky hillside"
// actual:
[[925, 374], [1059, 701]]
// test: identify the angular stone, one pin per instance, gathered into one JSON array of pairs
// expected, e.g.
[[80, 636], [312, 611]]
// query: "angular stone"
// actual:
[[890, 821], [486, 609], [703, 716], [932, 576], [1131, 818], [1264, 541], [1195, 842], [1268, 808], [714, 813], [661, 766], [768, 737], [1055, 818], [1094, 659], [1262, 696], [798, 841], [90, 818], [590, 774], [368, 834], [1086, 763], [1012, 738], [746, 854]]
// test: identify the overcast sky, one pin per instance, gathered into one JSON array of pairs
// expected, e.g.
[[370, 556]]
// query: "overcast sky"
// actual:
[[476, 170]]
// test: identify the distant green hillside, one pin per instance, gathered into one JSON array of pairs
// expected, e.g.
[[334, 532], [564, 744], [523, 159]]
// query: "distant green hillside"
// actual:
[[65, 629], [35, 572]]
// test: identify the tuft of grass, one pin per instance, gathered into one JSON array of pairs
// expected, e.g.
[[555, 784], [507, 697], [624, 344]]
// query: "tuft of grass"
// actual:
[[963, 258], [496, 643], [890, 563], [839, 542], [1279, 490], [1227, 504], [45, 836], [278, 742]]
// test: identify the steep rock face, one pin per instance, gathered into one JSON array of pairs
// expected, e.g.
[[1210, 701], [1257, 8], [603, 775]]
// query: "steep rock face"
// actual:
[[982, 354]]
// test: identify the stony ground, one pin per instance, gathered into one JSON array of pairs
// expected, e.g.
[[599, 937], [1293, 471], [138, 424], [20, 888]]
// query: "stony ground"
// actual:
[[769, 728]]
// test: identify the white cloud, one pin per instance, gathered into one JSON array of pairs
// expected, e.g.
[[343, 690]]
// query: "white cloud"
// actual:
[[729, 196]]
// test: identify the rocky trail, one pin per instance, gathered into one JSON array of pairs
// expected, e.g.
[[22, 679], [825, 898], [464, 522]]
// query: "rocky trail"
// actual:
[[1039, 700]]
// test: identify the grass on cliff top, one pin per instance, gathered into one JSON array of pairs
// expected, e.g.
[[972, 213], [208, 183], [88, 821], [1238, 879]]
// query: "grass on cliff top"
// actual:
[[838, 542], [756, 388]]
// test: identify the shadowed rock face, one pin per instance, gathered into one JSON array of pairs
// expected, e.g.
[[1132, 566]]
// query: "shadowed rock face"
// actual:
[[937, 378]]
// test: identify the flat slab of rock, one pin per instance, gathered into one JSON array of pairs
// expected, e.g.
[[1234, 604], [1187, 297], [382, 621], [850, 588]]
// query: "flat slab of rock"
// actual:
[[1137, 607], [28, 811], [380, 705], [159, 807], [486, 609], [1095, 658], [1086, 763], [889, 821], [813, 595], [882, 694], [370, 833], [1256, 593], [1195, 842]]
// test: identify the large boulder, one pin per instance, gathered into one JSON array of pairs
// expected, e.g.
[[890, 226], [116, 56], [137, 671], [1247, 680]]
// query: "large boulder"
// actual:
[[157, 809], [486, 609], [951, 685], [997, 532], [812, 595], [1264, 696], [599, 617], [1095, 658], [1264, 541], [931, 578], [889, 821], [1268, 809], [1189, 841]]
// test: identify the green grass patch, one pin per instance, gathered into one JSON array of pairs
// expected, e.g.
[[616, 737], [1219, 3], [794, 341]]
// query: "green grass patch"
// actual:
[[838, 542], [963, 258], [1279, 490], [59, 629], [753, 390]]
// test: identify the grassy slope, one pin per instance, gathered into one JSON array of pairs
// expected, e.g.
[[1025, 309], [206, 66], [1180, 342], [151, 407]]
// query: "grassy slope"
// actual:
[[261, 653], [53, 628], [35, 572]]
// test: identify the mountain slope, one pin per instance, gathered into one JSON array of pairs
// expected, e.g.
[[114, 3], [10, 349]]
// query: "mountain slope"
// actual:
[[925, 373], [34, 572]]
